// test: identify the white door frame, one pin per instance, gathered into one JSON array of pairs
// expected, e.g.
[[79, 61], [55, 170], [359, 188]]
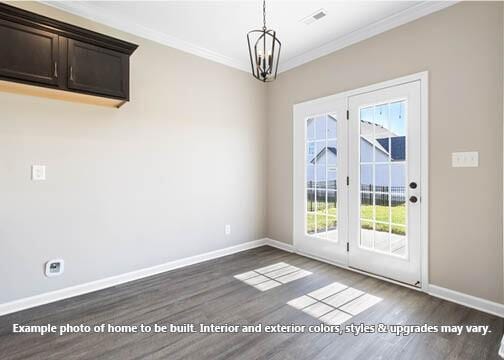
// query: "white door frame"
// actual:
[[325, 103]]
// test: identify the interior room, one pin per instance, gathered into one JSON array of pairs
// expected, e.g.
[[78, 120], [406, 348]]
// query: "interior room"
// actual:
[[250, 179]]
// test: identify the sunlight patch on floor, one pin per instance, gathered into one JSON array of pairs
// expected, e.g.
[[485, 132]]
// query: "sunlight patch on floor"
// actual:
[[335, 303], [271, 276]]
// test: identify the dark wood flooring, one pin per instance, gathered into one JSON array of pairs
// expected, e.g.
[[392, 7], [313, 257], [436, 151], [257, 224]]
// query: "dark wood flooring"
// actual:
[[208, 293]]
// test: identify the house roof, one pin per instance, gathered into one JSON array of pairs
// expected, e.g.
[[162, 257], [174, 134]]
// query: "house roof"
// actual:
[[397, 143], [321, 152]]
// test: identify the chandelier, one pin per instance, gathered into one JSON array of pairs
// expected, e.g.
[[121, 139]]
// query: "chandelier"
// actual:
[[264, 50]]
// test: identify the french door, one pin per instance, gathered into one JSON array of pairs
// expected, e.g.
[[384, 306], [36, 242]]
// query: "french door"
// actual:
[[357, 180], [321, 194]]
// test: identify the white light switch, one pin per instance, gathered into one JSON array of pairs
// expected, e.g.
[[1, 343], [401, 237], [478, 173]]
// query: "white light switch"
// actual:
[[38, 172], [465, 159], [227, 230]]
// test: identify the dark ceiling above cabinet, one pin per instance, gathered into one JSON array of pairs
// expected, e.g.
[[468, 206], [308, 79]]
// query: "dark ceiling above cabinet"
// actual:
[[45, 57]]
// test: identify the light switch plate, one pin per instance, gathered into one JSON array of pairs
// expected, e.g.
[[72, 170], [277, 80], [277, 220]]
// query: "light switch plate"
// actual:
[[38, 172], [465, 159]]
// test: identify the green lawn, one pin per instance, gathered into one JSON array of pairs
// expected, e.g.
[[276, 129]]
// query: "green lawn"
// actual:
[[382, 214]]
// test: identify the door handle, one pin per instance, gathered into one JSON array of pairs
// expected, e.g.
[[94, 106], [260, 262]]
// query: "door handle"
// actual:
[[413, 185], [71, 73], [55, 69], [413, 199]]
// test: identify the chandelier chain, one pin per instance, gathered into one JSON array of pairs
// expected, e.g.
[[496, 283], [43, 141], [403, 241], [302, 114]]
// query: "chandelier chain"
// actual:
[[264, 14]]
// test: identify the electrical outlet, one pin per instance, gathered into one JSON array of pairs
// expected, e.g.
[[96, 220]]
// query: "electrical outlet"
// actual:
[[228, 229], [54, 267], [38, 172]]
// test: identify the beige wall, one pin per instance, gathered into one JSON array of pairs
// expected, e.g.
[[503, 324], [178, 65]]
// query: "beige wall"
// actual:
[[154, 181], [461, 47]]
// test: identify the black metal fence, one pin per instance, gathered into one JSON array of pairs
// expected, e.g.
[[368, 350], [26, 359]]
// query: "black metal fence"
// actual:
[[322, 184], [382, 196]]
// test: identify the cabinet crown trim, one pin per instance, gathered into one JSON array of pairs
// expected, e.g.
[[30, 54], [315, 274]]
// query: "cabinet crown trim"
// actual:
[[12, 13]]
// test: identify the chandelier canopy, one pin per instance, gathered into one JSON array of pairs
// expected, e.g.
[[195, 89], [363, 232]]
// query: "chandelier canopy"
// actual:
[[264, 50]]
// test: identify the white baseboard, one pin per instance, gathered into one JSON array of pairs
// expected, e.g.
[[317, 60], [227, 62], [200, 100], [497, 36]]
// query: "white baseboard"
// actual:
[[45, 298], [52, 296], [467, 300], [279, 245]]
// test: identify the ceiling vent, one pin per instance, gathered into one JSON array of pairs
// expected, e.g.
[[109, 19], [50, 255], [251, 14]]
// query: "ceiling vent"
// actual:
[[317, 15]]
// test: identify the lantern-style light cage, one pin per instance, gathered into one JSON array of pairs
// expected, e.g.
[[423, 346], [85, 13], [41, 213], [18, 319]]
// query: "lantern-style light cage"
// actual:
[[264, 50]]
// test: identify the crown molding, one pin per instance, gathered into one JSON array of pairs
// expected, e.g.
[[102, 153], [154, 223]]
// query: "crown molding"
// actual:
[[366, 32], [82, 9]]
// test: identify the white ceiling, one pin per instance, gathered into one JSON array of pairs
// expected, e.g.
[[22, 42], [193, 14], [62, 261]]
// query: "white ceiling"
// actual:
[[217, 29]]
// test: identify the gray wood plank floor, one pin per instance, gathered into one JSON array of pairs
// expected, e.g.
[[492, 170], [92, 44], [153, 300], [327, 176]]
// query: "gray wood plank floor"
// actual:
[[208, 293]]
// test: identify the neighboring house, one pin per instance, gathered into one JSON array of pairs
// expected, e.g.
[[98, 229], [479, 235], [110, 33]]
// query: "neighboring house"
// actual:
[[395, 149]]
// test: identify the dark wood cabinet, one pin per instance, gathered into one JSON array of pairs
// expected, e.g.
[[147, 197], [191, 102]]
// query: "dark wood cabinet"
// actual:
[[94, 69], [39, 51], [28, 54]]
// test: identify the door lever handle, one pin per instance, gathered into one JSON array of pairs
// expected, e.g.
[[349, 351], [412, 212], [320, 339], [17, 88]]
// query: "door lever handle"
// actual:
[[413, 199]]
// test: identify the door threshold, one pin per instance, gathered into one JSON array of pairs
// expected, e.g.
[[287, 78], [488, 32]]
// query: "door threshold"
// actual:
[[346, 267]]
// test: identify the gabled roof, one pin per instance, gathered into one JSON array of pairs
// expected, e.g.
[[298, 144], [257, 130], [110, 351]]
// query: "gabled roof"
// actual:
[[398, 145], [321, 152]]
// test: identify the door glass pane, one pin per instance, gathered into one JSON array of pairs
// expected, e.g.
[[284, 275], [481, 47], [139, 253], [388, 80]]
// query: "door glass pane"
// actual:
[[383, 177], [331, 127], [319, 161], [382, 237], [366, 177], [310, 201], [321, 170], [366, 234], [399, 209], [382, 146], [320, 128], [321, 213], [310, 223], [332, 203], [310, 177], [381, 118], [331, 153], [310, 153], [398, 131], [398, 194], [310, 129], [366, 212], [321, 225], [332, 177], [332, 232], [321, 202], [382, 208], [321, 176]]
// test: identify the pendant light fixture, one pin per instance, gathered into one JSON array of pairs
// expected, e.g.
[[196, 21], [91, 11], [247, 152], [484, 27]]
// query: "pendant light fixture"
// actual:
[[264, 49]]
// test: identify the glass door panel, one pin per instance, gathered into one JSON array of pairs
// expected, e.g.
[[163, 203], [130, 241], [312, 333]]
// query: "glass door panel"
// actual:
[[321, 172], [383, 184], [384, 157]]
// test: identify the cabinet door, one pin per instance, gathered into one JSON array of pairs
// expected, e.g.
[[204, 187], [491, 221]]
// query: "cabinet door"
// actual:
[[28, 54], [96, 70]]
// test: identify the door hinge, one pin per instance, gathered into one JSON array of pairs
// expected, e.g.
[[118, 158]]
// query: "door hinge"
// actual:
[[347, 114], [347, 247], [348, 180]]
